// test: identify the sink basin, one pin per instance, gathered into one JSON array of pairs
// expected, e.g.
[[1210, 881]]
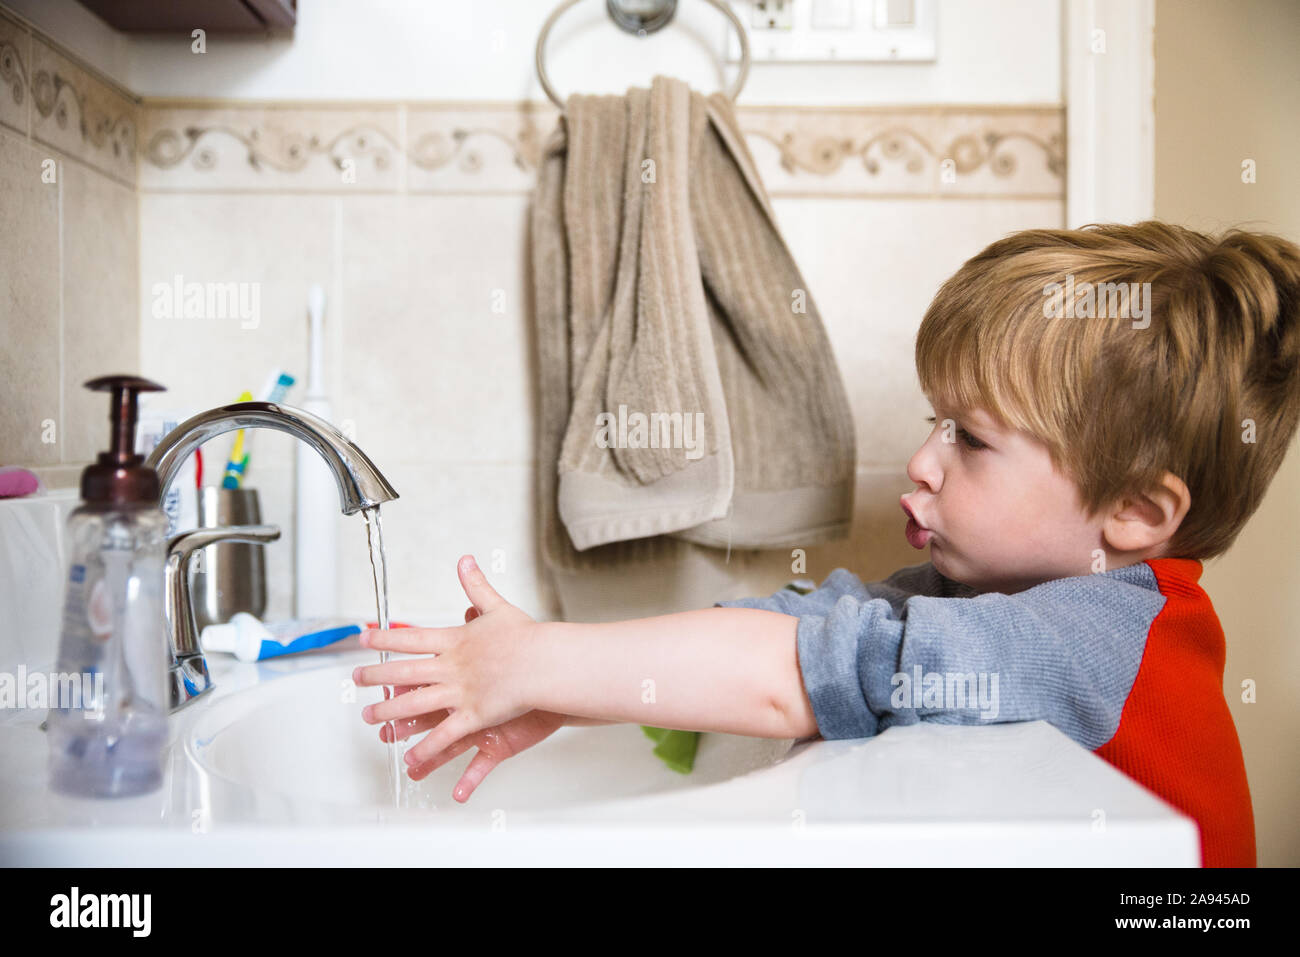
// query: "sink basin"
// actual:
[[300, 737]]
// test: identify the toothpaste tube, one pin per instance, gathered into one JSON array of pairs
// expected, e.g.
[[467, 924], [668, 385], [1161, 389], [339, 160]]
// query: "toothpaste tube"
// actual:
[[249, 639]]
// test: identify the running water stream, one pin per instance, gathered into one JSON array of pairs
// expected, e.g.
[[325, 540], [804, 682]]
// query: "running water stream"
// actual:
[[379, 568]]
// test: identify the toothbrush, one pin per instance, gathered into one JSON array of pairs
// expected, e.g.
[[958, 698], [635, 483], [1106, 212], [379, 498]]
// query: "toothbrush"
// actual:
[[235, 465], [274, 390], [277, 386]]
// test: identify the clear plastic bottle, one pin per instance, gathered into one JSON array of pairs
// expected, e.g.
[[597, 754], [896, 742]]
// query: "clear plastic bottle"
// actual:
[[108, 741]]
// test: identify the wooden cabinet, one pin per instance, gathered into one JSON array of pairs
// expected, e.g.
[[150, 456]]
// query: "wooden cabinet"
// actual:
[[183, 16]]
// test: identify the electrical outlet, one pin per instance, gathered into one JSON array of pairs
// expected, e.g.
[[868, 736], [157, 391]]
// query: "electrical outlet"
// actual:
[[773, 15]]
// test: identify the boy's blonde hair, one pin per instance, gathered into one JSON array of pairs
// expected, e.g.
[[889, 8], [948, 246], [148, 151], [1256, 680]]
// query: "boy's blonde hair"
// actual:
[[1206, 385]]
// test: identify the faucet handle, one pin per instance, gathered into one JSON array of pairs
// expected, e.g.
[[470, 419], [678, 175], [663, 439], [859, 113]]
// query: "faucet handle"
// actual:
[[187, 543], [188, 674]]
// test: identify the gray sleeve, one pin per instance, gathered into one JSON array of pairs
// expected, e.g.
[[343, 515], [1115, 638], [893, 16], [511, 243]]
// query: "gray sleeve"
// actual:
[[798, 598], [1066, 651]]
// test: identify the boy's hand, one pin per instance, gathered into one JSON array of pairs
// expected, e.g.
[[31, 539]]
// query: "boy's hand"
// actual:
[[474, 672], [494, 744]]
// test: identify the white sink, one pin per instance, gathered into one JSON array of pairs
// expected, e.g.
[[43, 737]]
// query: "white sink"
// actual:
[[301, 737]]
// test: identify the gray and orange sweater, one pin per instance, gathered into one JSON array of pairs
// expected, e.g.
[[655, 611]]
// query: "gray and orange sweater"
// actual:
[[1128, 662]]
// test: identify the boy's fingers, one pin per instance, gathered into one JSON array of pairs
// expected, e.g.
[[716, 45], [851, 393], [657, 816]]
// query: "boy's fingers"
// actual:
[[476, 585], [419, 641], [409, 705], [410, 672], [395, 691], [421, 771], [478, 769], [409, 726], [458, 724]]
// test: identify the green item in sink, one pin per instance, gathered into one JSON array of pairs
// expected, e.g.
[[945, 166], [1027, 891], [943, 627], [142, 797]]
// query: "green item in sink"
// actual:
[[675, 748]]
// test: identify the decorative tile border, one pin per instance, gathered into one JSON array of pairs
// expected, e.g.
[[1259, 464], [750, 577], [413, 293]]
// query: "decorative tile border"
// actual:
[[164, 145], [272, 148], [81, 117], [903, 151], [968, 151], [49, 96], [469, 148], [15, 63]]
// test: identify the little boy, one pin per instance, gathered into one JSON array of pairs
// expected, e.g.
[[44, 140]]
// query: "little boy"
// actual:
[[1110, 406]]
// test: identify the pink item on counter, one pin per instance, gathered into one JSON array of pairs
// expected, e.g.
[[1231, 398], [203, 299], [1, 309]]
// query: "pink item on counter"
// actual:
[[16, 482]]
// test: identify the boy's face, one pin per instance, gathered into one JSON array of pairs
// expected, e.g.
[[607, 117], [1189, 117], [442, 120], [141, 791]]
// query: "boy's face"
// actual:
[[1001, 517]]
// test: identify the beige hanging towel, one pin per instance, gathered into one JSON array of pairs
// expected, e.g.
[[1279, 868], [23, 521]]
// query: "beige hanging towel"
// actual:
[[687, 384]]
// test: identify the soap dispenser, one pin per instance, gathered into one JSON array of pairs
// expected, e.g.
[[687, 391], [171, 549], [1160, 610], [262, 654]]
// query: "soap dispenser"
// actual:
[[108, 740]]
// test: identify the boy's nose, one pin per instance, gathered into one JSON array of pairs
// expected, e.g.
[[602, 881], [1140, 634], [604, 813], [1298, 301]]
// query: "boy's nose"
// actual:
[[923, 468]]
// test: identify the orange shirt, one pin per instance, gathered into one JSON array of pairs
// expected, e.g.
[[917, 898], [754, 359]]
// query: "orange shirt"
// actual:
[[1176, 735]]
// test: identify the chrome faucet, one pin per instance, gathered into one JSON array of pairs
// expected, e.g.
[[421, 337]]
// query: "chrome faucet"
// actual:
[[361, 486]]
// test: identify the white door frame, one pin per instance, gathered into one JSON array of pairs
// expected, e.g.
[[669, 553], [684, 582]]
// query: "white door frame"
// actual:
[[1108, 62]]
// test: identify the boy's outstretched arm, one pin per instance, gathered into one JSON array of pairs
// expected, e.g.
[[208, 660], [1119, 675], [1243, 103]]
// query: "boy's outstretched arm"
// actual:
[[734, 670]]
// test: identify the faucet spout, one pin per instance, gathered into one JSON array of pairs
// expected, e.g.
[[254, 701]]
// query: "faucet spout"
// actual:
[[360, 484]]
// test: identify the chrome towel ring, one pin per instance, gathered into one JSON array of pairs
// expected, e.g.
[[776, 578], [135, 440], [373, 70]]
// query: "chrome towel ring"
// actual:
[[628, 17]]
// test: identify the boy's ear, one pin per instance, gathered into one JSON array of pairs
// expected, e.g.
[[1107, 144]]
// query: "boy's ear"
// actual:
[[1142, 521]]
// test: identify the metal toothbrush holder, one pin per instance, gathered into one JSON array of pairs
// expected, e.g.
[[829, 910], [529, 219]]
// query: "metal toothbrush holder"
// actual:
[[231, 576]]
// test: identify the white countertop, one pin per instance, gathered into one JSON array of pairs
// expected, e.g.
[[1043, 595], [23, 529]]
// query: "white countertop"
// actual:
[[928, 794]]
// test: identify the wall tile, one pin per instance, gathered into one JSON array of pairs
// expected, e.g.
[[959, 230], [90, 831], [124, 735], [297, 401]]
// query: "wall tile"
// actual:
[[29, 307], [81, 115], [101, 332], [208, 361], [433, 372], [272, 247], [872, 267]]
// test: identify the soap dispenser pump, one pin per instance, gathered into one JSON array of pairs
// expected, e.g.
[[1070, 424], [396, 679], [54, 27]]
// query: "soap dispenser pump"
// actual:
[[108, 721]]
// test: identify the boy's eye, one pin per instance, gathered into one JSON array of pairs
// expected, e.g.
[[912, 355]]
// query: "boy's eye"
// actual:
[[971, 442]]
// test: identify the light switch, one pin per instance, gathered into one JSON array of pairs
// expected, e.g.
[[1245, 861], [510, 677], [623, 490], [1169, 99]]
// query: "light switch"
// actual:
[[891, 14], [832, 14]]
